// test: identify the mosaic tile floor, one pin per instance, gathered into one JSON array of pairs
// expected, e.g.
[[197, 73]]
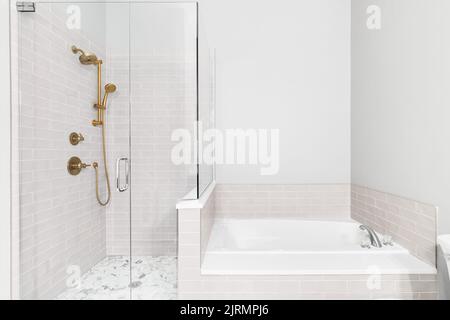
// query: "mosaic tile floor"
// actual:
[[154, 278]]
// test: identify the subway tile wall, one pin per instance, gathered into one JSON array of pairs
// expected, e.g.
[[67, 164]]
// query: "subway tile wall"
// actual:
[[308, 287], [206, 222], [118, 223], [164, 99], [411, 223], [328, 201], [61, 224]]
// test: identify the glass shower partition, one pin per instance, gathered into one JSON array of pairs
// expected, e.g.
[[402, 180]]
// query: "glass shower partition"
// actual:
[[163, 73], [69, 246], [206, 108]]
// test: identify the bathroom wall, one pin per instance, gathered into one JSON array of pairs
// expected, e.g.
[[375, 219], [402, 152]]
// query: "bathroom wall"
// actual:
[[327, 202], [61, 224], [410, 223], [286, 65], [400, 99]]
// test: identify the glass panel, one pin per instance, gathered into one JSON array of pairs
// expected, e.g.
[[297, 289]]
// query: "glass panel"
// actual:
[[71, 247], [206, 109], [163, 101]]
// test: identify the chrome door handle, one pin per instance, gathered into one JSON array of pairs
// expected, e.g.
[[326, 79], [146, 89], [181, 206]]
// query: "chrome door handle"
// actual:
[[119, 186]]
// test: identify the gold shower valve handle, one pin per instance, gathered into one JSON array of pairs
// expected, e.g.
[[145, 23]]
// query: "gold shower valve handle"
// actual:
[[75, 165], [75, 138]]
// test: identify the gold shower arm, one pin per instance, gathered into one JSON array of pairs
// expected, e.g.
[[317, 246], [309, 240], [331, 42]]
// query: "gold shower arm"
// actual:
[[76, 50]]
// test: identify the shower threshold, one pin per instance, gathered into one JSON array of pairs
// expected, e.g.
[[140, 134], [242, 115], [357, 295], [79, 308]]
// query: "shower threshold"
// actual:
[[153, 278]]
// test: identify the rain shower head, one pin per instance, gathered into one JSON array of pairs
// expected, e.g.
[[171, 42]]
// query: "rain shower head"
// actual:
[[86, 58]]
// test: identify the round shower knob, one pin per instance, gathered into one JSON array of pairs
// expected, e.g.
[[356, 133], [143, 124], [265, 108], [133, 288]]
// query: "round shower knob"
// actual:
[[75, 138], [74, 166]]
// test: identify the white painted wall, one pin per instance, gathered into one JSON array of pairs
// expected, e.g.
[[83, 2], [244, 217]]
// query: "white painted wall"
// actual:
[[285, 64], [401, 101], [5, 155]]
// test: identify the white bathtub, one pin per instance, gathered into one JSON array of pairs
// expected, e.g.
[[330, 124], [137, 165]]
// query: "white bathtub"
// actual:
[[293, 247]]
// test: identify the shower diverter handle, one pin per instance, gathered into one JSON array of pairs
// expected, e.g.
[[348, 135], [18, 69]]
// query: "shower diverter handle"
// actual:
[[120, 187]]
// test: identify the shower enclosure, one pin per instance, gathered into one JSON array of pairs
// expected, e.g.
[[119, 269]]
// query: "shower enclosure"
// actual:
[[158, 71]]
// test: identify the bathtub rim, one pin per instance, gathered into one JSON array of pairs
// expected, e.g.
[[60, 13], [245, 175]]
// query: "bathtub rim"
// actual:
[[187, 203], [405, 263]]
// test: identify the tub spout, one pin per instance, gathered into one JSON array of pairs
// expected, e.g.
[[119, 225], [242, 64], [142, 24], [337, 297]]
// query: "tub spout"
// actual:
[[374, 240]]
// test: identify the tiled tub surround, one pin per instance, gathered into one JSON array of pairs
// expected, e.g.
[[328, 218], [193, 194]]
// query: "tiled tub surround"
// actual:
[[194, 225], [410, 223], [316, 201], [61, 223]]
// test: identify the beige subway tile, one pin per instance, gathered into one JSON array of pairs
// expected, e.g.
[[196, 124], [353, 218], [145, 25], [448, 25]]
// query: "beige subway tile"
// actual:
[[189, 250], [428, 296], [187, 238], [185, 287], [323, 286], [188, 274], [416, 286]]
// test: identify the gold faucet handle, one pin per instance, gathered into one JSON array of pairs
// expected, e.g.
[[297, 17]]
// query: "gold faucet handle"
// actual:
[[75, 165], [75, 138]]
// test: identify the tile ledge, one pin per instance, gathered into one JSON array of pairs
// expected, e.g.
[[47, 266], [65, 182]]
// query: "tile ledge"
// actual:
[[197, 203]]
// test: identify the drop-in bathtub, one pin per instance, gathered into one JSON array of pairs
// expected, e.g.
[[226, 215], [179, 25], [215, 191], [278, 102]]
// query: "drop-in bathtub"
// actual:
[[293, 247]]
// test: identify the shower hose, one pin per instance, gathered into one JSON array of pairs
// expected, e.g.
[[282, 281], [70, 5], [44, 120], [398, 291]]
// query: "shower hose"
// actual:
[[95, 165]]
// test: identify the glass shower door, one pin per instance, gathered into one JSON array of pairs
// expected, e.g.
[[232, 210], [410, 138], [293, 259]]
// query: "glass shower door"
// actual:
[[102, 83], [163, 74], [73, 240]]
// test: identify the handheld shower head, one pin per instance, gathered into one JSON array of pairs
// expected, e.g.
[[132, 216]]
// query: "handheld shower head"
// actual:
[[85, 58], [109, 88]]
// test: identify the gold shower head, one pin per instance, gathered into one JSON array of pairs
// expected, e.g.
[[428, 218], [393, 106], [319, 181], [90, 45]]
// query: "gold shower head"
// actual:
[[110, 88], [86, 58]]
